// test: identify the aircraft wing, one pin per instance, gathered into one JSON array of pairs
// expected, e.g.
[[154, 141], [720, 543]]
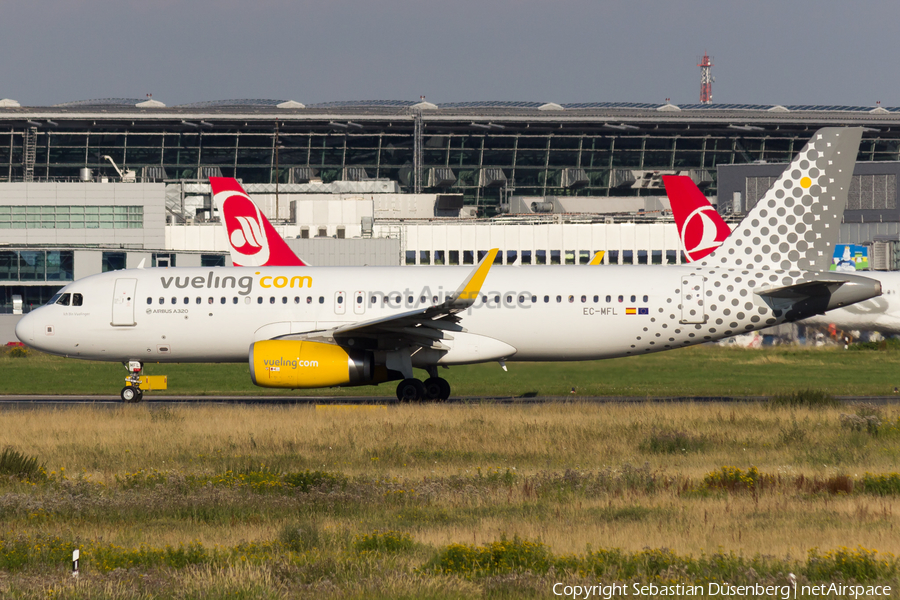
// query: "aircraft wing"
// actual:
[[423, 327]]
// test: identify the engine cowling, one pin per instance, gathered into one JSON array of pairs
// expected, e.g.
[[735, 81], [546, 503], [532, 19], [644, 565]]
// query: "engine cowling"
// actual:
[[299, 364]]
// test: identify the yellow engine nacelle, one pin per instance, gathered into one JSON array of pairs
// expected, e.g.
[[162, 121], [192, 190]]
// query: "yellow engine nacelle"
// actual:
[[298, 364]]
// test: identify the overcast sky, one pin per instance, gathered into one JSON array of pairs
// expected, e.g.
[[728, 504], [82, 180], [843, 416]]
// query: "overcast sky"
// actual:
[[764, 51]]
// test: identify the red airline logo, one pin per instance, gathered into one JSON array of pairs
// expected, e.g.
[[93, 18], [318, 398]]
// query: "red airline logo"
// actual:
[[254, 241], [700, 227]]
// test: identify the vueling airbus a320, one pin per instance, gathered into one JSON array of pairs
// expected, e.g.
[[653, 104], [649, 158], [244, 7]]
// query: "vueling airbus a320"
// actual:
[[310, 327]]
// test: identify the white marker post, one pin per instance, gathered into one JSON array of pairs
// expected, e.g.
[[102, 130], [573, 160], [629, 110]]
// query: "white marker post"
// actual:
[[75, 555]]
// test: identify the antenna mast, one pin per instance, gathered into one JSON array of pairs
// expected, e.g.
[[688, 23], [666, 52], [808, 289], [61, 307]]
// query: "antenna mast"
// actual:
[[705, 79]]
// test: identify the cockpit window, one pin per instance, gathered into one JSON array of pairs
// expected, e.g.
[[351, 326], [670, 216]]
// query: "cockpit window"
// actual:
[[53, 299], [78, 299], [63, 299]]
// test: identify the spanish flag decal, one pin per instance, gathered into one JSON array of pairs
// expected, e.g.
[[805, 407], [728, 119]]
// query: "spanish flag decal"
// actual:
[[630, 311]]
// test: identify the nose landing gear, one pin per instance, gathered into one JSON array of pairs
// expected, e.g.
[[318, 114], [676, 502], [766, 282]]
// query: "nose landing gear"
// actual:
[[132, 391]]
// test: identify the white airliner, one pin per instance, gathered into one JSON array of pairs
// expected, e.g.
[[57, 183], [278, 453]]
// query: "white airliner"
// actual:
[[312, 327], [702, 230]]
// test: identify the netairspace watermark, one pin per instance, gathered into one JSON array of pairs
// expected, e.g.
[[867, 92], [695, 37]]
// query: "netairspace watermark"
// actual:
[[607, 591]]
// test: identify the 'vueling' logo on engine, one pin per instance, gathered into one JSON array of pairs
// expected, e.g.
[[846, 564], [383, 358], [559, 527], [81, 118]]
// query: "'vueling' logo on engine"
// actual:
[[288, 362]]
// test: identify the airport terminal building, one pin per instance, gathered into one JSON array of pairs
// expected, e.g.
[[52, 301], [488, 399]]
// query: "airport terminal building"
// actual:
[[99, 185]]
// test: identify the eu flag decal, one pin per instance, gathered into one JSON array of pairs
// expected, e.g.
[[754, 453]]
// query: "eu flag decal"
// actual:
[[644, 311]]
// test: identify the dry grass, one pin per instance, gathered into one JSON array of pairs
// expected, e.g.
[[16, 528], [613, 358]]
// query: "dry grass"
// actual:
[[455, 474]]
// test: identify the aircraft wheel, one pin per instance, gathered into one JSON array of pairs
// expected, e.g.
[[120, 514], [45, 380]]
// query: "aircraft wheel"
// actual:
[[437, 388], [130, 394], [410, 390]]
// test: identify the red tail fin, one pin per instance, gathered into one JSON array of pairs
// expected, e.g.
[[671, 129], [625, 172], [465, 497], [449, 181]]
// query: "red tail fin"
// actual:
[[700, 227], [253, 240]]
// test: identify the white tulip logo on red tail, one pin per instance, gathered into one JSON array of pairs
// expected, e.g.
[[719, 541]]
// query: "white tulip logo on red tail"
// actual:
[[702, 233], [245, 228]]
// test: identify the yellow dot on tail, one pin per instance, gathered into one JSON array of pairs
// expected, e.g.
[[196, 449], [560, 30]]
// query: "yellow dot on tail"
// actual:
[[805, 182]]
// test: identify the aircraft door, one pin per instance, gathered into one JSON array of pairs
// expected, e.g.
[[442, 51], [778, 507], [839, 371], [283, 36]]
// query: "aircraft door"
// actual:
[[692, 291], [123, 303], [340, 303], [359, 302]]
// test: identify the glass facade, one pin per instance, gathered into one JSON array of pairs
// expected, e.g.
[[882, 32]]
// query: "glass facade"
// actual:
[[113, 261], [559, 153], [36, 265]]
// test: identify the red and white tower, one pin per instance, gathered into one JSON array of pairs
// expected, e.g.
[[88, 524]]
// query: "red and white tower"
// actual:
[[706, 80]]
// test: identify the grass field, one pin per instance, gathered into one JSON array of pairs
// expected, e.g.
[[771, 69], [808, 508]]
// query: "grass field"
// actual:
[[445, 501], [699, 371]]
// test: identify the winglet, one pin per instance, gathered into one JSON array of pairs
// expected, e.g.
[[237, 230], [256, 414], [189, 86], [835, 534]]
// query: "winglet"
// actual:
[[598, 258], [471, 287]]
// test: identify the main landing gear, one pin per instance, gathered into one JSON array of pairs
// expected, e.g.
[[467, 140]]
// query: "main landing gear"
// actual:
[[132, 391], [434, 388]]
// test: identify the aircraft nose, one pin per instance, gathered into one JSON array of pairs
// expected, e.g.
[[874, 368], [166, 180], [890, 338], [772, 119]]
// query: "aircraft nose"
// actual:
[[25, 329]]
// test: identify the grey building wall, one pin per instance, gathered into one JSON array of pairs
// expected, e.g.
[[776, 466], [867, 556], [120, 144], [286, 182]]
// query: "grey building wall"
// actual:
[[87, 262], [187, 260], [8, 328], [151, 196], [329, 252], [733, 178]]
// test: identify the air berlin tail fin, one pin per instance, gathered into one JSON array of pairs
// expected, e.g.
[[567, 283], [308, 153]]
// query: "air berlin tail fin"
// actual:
[[700, 227], [253, 240]]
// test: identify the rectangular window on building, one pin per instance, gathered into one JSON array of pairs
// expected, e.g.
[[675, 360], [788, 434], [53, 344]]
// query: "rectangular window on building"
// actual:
[[113, 261], [555, 257], [584, 257], [9, 265], [212, 260], [340, 233], [511, 257], [570, 257], [468, 257], [32, 265], [453, 257], [627, 257], [163, 260], [424, 257], [540, 257], [323, 232], [526, 257], [304, 233], [410, 257], [60, 265], [671, 257], [438, 257]]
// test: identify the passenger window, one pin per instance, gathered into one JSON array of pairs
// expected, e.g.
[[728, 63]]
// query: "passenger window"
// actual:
[[497, 298], [309, 299], [359, 299], [259, 300], [646, 298], [621, 298], [321, 299], [546, 298], [608, 299], [247, 300], [296, 299], [284, 299], [235, 300], [584, 298], [271, 299], [222, 301], [596, 299], [198, 300], [341, 299], [423, 299], [409, 300], [187, 300], [633, 298], [571, 298], [149, 300], [559, 298], [533, 299], [509, 299], [162, 300], [174, 300], [78, 299], [64, 300], [210, 301], [372, 300], [521, 299]]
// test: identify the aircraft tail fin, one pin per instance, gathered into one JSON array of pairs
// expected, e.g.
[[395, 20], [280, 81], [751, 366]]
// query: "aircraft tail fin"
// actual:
[[700, 227], [795, 226], [252, 239]]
